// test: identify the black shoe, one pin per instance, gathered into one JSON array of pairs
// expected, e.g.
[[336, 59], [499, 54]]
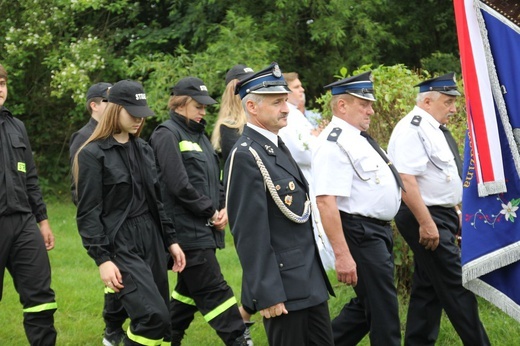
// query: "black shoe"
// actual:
[[247, 333], [114, 338], [247, 337], [240, 341]]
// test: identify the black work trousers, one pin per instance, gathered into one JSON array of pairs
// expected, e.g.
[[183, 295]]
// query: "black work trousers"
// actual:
[[375, 310], [437, 283], [141, 258], [201, 287], [306, 327], [23, 253]]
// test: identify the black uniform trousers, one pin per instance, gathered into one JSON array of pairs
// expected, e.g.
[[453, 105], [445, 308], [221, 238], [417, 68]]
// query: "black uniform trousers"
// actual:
[[375, 310], [306, 327], [437, 283], [23, 253], [142, 261], [201, 287]]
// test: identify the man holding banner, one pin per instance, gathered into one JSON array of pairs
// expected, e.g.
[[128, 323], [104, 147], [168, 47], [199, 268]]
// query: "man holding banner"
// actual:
[[426, 156]]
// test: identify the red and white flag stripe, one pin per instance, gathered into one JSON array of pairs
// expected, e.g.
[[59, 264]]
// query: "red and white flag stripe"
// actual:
[[482, 115]]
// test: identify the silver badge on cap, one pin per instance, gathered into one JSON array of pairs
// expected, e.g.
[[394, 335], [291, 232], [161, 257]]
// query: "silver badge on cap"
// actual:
[[276, 71]]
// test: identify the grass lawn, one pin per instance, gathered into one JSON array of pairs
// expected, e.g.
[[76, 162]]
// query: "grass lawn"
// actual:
[[79, 293]]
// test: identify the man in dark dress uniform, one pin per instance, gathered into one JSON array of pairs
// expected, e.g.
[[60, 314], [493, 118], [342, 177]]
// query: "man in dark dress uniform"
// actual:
[[269, 215]]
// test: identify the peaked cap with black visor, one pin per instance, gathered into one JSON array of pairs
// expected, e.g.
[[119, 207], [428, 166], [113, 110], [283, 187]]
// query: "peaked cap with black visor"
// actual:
[[267, 81], [360, 86], [445, 84]]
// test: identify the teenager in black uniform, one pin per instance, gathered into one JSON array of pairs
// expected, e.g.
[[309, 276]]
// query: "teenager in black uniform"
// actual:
[[121, 218], [114, 314], [190, 177], [23, 247]]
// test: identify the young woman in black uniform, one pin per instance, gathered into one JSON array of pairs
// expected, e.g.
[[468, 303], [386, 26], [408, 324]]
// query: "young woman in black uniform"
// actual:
[[189, 172], [121, 218]]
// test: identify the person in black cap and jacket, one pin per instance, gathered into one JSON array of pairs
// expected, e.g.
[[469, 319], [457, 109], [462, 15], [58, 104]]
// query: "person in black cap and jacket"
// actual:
[[427, 157], [189, 172], [114, 313], [358, 194], [97, 98], [270, 218], [121, 218]]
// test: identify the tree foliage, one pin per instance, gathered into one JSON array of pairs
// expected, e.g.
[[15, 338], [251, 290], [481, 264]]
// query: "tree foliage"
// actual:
[[55, 49]]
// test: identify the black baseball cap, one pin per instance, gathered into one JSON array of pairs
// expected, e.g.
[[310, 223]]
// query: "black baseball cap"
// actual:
[[98, 90], [194, 88], [238, 72], [131, 96]]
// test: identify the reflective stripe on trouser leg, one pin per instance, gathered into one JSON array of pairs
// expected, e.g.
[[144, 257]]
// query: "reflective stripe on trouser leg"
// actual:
[[109, 290], [220, 309], [183, 299], [42, 307], [142, 340]]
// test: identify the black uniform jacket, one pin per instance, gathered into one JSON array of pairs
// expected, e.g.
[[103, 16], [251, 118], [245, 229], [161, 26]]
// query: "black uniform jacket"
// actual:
[[189, 172], [19, 189], [279, 257], [105, 191], [77, 139]]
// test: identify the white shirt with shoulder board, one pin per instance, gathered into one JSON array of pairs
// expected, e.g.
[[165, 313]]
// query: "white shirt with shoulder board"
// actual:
[[364, 184], [422, 150]]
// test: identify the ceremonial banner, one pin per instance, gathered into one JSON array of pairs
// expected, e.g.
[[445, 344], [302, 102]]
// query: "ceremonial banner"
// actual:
[[489, 43]]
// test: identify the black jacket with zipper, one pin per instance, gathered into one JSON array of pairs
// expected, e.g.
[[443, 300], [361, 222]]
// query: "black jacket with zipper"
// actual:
[[105, 192], [189, 172], [19, 189]]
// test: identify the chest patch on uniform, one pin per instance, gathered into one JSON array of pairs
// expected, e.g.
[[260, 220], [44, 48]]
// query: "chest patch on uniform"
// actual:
[[269, 149], [334, 134], [21, 167], [416, 120], [189, 146]]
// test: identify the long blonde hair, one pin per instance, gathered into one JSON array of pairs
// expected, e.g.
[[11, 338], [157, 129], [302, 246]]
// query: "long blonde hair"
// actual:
[[231, 114], [107, 126]]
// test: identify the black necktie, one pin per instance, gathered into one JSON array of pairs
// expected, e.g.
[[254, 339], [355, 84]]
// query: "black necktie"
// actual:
[[381, 153], [453, 147]]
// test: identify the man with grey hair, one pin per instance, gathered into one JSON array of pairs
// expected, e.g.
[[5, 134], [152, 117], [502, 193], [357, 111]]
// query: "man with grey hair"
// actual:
[[427, 158], [270, 217], [358, 194]]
